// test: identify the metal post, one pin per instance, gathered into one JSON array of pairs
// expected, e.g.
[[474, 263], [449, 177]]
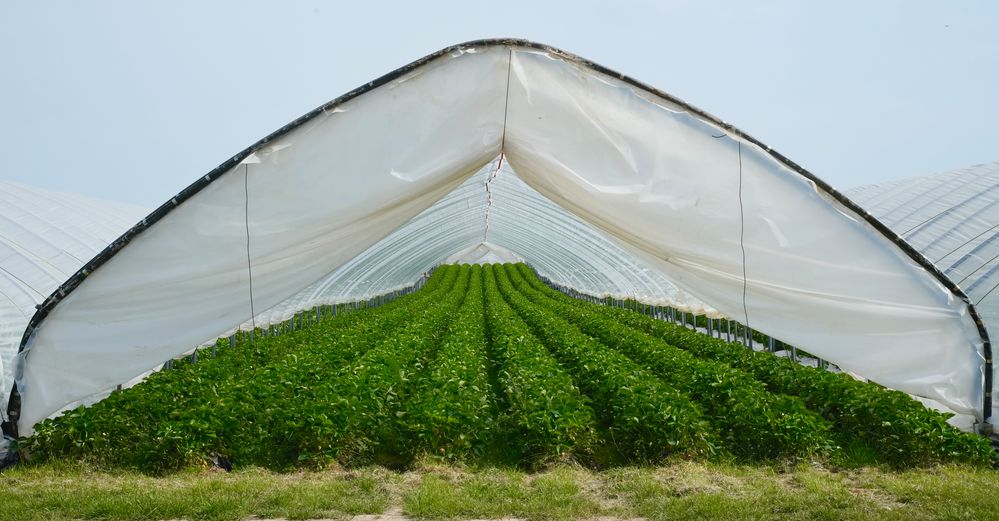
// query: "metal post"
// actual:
[[728, 330]]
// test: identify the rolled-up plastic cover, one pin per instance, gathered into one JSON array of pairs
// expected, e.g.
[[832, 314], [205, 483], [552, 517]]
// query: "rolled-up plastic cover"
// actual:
[[693, 199]]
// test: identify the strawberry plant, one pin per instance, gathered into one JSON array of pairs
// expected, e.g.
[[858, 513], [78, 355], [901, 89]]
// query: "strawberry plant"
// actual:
[[545, 415], [451, 411], [646, 419], [755, 424]]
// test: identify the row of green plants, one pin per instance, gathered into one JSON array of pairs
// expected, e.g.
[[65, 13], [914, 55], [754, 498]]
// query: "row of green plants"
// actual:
[[382, 385], [240, 404], [884, 425], [545, 415], [452, 411], [645, 419], [753, 422], [360, 404], [488, 364]]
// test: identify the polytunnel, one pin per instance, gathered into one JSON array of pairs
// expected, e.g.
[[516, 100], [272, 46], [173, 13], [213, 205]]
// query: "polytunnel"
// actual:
[[45, 237], [509, 147]]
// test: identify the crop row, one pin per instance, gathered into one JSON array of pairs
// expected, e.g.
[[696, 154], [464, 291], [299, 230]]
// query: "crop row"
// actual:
[[451, 412], [647, 419], [232, 404], [754, 423], [545, 414], [865, 417], [356, 408]]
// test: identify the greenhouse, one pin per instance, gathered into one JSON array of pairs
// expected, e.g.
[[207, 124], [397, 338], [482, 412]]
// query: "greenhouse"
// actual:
[[45, 237], [506, 152]]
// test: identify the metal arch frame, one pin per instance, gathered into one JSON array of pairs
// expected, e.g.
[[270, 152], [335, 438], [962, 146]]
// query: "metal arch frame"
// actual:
[[74, 281], [518, 197]]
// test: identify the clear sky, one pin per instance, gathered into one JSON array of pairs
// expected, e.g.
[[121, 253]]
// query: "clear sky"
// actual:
[[132, 101]]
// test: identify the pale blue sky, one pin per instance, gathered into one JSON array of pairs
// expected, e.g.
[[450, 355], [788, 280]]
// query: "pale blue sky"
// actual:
[[131, 102]]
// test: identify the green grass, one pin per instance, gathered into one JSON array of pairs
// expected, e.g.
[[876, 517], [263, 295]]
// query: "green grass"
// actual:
[[60, 492], [498, 493], [680, 490]]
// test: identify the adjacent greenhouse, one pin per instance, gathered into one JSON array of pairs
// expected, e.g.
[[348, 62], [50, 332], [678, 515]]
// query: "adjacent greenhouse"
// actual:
[[507, 150], [953, 219], [45, 237]]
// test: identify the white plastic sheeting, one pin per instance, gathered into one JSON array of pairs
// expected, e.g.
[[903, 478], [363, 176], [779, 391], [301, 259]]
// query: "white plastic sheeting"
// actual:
[[45, 237], [953, 219], [704, 205], [453, 230]]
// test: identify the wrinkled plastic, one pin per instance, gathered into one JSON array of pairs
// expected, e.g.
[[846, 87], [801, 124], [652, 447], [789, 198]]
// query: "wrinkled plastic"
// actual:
[[953, 219], [710, 211]]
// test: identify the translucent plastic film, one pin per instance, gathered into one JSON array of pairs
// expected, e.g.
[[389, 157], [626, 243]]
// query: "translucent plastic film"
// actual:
[[454, 230], [953, 219], [284, 218], [726, 221], [45, 237], [680, 196]]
